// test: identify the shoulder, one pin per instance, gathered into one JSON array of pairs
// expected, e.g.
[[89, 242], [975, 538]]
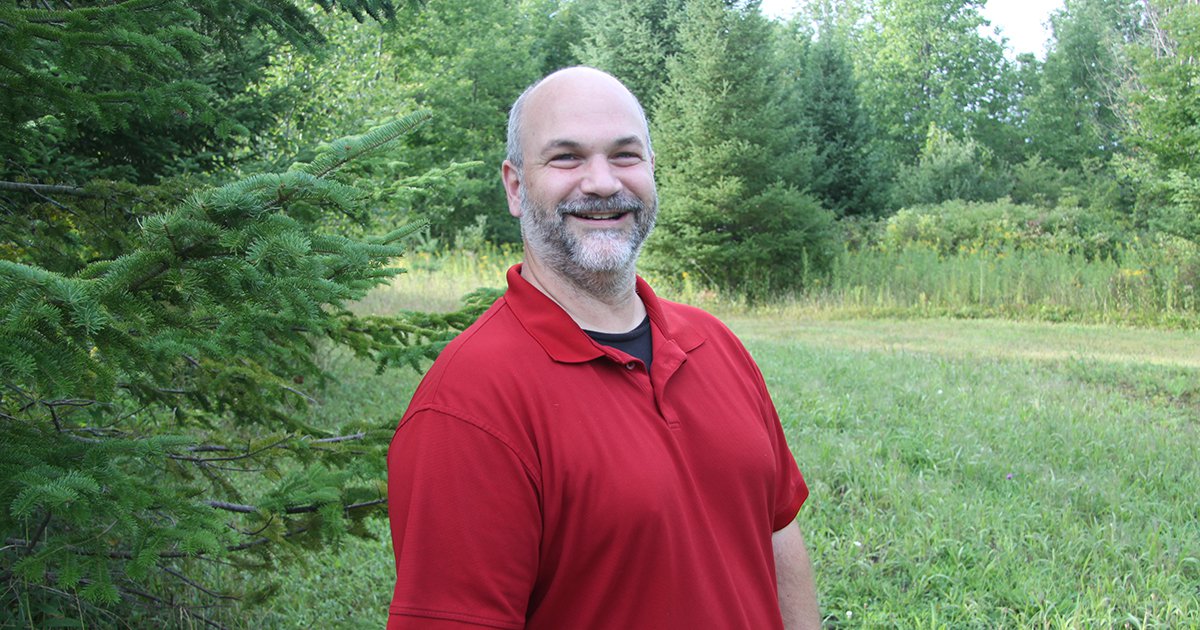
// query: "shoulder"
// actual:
[[712, 329], [480, 368]]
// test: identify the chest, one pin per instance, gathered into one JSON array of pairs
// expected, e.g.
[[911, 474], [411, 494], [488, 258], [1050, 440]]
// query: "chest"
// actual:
[[621, 452]]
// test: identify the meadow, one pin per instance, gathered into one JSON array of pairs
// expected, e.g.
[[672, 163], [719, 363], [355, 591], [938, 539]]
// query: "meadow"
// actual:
[[964, 472]]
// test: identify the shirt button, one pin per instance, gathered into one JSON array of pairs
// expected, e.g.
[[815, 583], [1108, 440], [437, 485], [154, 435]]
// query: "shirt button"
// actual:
[[630, 365]]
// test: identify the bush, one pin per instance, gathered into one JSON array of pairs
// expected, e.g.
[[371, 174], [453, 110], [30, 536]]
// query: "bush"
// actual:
[[961, 226], [951, 168]]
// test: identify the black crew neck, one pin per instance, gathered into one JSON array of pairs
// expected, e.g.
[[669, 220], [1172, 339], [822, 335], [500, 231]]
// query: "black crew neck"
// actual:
[[636, 342]]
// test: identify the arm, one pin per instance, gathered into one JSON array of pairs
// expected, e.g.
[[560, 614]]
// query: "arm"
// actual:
[[797, 592]]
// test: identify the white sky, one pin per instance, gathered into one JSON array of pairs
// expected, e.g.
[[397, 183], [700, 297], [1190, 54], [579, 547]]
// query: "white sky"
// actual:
[[1023, 22]]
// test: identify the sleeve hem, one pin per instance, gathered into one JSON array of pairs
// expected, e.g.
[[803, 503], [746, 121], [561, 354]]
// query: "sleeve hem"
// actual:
[[475, 620], [785, 518]]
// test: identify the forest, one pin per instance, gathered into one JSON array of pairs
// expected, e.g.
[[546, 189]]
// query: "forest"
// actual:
[[208, 210]]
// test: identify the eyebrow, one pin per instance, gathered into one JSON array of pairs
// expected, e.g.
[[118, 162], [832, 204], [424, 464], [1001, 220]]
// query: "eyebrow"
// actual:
[[564, 143]]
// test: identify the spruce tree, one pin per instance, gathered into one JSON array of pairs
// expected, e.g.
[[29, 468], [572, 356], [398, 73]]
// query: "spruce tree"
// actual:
[[159, 337], [848, 175], [152, 402], [733, 213], [633, 40]]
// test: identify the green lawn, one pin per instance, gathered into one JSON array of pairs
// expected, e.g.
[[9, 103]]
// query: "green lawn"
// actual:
[[964, 474]]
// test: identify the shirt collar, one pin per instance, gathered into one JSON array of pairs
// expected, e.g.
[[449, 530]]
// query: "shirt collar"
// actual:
[[564, 340]]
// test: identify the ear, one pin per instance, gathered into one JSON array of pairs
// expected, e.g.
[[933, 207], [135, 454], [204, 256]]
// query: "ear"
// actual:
[[512, 187]]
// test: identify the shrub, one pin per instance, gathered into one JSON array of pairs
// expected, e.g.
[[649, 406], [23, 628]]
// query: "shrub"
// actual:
[[951, 168], [962, 226]]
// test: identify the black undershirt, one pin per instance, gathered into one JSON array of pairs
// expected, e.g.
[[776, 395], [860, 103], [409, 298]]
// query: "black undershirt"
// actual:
[[634, 343]]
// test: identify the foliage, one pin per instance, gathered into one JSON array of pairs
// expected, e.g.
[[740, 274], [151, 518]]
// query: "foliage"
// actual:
[[141, 392], [962, 226], [950, 168], [633, 40], [1166, 120], [468, 60], [923, 62], [848, 175], [732, 210], [138, 89], [1072, 114]]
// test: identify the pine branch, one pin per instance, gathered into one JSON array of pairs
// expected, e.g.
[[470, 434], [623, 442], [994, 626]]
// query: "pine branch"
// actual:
[[231, 458], [296, 509], [126, 555], [339, 152], [281, 444], [183, 578], [46, 188]]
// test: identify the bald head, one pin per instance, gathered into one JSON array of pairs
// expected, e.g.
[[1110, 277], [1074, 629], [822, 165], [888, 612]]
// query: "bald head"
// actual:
[[577, 84]]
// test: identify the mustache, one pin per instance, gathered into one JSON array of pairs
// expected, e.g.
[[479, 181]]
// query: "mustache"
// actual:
[[621, 202]]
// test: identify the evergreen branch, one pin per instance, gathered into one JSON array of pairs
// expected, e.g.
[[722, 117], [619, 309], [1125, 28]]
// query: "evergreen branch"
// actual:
[[233, 507], [341, 438], [183, 578], [46, 188], [53, 577], [310, 399], [209, 448], [247, 455], [339, 152], [295, 509]]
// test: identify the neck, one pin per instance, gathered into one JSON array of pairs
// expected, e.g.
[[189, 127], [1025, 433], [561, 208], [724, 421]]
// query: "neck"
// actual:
[[604, 302]]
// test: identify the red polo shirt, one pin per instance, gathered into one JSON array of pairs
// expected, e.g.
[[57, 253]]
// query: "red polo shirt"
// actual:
[[540, 480]]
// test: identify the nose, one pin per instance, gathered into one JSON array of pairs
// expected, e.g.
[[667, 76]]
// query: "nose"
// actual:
[[600, 179]]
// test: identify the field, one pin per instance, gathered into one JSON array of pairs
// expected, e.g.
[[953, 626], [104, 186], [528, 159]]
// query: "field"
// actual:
[[964, 473]]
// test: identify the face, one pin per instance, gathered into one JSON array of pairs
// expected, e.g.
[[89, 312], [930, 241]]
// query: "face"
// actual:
[[585, 195]]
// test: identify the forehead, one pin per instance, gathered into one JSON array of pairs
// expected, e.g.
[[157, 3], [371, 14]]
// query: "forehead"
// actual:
[[591, 109]]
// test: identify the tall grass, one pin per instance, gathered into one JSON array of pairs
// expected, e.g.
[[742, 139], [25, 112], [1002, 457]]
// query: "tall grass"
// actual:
[[1135, 287]]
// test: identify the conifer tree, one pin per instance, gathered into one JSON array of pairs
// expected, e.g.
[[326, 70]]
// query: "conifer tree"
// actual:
[[848, 175], [733, 212], [633, 40], [151, 402], [158, 338]]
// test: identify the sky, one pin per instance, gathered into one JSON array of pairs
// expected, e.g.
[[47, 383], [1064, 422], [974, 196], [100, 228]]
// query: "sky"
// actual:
[[1023, 22]]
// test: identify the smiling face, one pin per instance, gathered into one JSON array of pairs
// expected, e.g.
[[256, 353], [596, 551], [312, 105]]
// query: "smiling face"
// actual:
[[584, 190]]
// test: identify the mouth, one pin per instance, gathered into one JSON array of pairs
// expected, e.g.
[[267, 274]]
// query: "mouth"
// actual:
[[609, 210], [598, 216]]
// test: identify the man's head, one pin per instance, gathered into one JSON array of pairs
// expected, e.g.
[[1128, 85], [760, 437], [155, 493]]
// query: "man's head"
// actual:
[[580, 175]]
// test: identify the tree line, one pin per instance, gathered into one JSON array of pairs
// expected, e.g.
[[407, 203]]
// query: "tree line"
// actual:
[[185, 220]]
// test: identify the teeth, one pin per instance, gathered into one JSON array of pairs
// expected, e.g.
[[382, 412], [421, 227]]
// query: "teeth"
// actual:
[[599, 217]]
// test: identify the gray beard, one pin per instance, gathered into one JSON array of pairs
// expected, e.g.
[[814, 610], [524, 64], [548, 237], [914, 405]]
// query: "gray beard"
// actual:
[[602, 263]]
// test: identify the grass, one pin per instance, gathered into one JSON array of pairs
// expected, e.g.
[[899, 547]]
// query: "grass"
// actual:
[[964, 474], [961, 490]]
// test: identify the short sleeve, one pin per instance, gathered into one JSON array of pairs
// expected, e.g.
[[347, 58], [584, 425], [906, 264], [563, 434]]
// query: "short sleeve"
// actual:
[[466, 525], [790, 489]]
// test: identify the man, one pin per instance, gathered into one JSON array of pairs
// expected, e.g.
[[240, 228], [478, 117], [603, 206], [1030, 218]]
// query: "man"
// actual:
[[587, 455]]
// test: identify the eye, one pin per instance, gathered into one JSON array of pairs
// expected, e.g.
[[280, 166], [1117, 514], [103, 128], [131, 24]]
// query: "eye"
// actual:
[[564, 160], [627, 158]]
